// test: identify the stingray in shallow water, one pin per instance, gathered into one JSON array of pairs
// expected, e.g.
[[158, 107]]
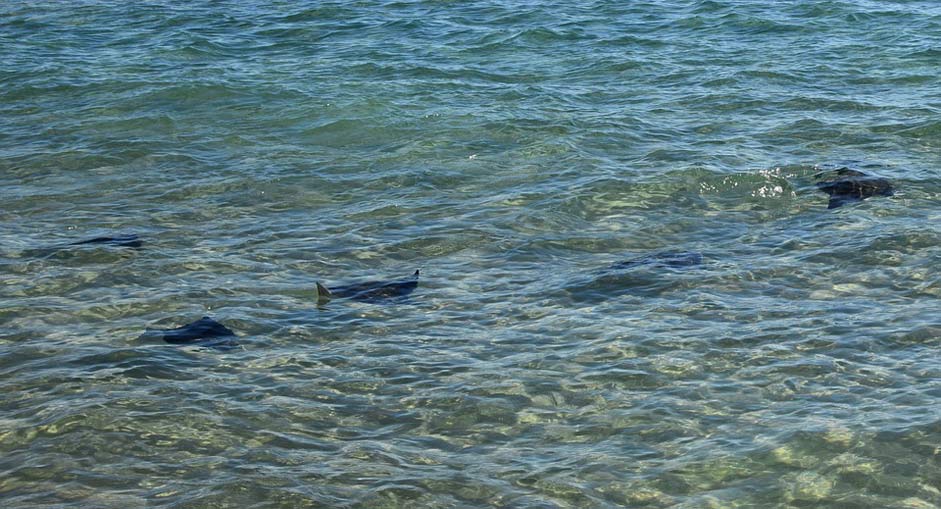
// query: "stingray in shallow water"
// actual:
[[846, 186], [370, 291], [663, 259], [647, 275], [202, 332], [129, 240]]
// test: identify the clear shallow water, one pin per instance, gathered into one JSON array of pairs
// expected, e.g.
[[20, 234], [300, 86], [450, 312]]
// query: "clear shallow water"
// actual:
[[512, 152]]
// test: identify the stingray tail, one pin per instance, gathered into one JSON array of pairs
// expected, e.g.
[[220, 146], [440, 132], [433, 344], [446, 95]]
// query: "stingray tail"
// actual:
[[323, 294]]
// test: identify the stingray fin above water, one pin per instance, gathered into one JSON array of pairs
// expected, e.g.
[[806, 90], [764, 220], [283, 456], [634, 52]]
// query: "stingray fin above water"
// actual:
[[370, 291], [323, 294], [847, 186], [202, 332]]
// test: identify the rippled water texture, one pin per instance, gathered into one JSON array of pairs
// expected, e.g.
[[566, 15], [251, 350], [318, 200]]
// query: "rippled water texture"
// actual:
[[540, 164]]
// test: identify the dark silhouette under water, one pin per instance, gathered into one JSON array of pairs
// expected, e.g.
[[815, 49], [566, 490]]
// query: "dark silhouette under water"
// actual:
[[370, 291], [202, 332], [846, 186], [129, 240], [663, 259]]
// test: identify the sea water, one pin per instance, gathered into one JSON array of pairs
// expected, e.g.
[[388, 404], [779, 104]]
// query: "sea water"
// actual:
[[515, 153]]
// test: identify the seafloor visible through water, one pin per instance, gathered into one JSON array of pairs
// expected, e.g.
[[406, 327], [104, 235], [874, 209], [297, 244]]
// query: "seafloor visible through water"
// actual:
[[632, 292]]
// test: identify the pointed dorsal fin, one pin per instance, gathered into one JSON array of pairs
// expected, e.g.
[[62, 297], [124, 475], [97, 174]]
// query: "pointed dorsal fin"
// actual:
[[323, 294]]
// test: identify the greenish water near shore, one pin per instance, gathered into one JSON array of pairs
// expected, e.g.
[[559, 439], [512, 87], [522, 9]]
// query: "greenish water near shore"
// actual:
[[512, 152]]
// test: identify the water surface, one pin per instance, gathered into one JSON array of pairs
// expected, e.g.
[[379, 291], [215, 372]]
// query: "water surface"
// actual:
[[514, 152]]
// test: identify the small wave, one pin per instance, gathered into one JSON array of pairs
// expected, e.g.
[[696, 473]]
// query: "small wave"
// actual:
[[932, 54], [929, 130], [189, 94], [685, 193], [636, 41], [828, 104], [318, 14]]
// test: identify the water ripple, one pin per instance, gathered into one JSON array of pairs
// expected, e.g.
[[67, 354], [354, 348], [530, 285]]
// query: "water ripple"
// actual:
[[517, 154]]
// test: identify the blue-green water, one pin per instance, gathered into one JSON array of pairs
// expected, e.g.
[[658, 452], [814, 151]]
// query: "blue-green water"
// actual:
[[511, 151]]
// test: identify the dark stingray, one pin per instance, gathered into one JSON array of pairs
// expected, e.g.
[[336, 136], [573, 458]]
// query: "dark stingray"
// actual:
[[202, 332], [129, 240], [648, 275], [846, 186], [65, 250], [663, 259], [370, 291]]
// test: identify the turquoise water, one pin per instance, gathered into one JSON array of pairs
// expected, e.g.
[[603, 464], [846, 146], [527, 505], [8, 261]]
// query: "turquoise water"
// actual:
[[512, 151]]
